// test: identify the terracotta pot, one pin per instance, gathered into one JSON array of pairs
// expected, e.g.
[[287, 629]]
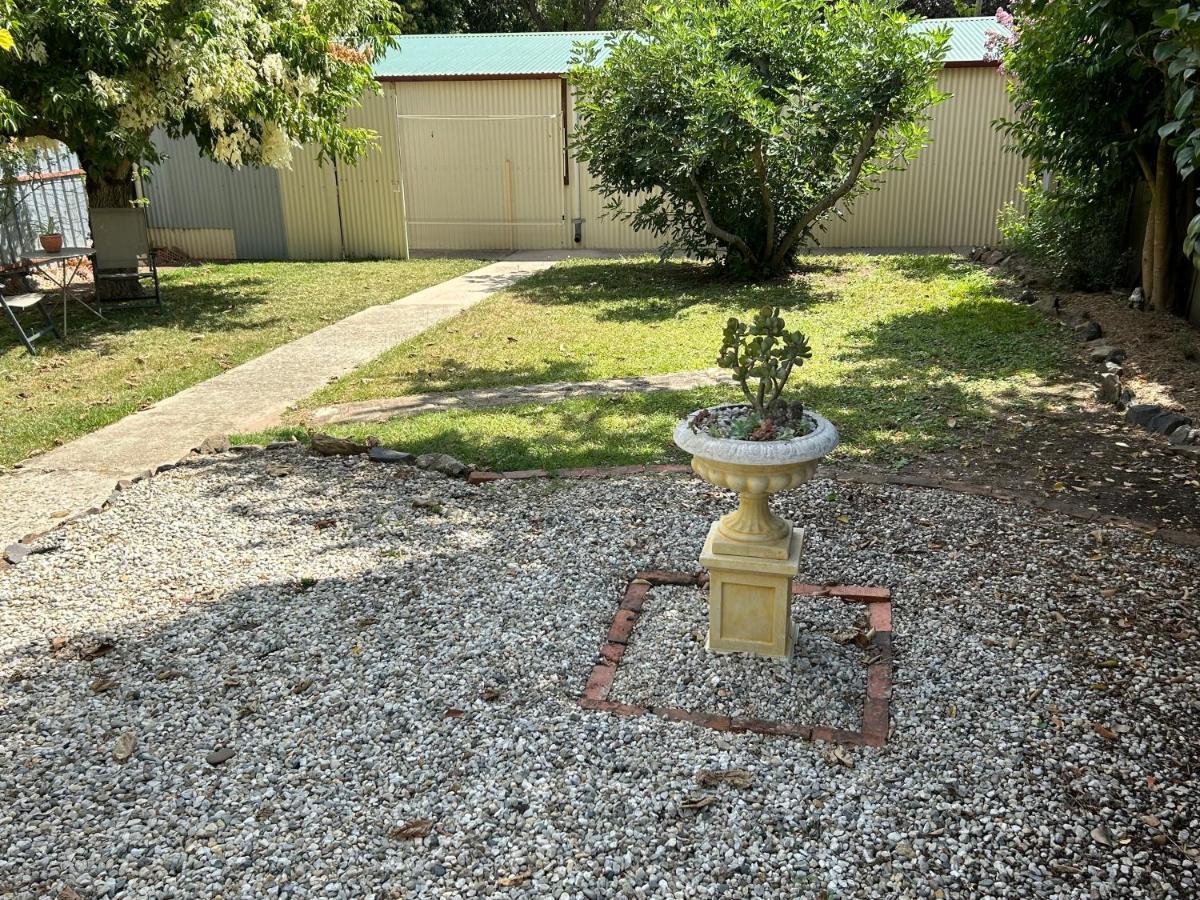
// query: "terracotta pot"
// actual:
[[51, 243]]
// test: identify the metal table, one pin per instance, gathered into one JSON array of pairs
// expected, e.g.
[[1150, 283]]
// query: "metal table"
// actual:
[[54, 267]]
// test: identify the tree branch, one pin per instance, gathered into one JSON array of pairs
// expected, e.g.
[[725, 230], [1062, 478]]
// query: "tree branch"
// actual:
[[716, 230], [865, 146], [764, 189], [534, 11]]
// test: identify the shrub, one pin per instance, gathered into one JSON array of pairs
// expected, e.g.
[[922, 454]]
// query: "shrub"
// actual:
[[741, 125], [1074, 231]]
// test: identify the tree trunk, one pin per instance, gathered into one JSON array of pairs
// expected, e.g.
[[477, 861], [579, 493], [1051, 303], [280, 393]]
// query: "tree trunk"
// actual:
[[1160, 209], [109, 187]]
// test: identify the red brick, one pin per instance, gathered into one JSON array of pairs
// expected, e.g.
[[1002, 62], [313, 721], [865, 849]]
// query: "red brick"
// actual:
[[660, 576], [879, 615], [853, 592], [622, 626], [620, 709], [522, 474], [766, 726], [837, 736], [879, 682], [717, 723], [675, 714], [876, 720], [600, 681], [670, 469], [581, 473], [612, 652], [635, 596], [483, 477]]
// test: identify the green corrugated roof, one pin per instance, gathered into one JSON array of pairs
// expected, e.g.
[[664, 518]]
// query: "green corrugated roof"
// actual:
[[968, 36], [549, 53], [447, 55]]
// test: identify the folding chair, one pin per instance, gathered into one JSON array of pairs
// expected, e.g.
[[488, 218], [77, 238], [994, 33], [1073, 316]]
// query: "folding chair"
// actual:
[[120, 250], [24, 302]]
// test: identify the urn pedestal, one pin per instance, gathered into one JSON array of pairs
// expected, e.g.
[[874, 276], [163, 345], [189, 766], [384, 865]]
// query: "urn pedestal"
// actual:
[[751, 554]]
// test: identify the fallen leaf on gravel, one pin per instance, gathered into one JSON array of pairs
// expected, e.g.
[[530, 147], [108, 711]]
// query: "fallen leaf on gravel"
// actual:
[[367, 620], [1151, 821], [490, 694], [167, 674], [514, 880], [218, 756], [1101, 835], [57, 643], [302, 685], [1105, 732], [123, 748], [417, 828], [98, 649], [697, 803], [738, 778], [1108, 593], [102, 683], [322, 524], [68, 893], [453, 713], [839, 756]]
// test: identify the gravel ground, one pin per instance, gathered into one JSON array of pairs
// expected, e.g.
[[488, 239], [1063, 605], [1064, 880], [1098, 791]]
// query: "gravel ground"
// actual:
[[370, 646], [666, 664]]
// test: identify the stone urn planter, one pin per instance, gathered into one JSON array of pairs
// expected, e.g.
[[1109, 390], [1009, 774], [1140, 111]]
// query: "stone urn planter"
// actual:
[[751, 554]]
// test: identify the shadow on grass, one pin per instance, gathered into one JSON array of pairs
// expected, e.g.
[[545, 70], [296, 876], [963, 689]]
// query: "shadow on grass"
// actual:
[[221, 306], [921, 267], [646, 291]]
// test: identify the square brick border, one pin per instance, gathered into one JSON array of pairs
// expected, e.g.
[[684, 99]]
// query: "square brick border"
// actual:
[[876, 716]]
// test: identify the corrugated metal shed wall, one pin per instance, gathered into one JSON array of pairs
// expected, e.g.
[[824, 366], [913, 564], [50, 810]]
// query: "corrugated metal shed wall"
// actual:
[[191, 193], [312, 220], [482, 163], [950, 195], [372, 191], [32, 201]]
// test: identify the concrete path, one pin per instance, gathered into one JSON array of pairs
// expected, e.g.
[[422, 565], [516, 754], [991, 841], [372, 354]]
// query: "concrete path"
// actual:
[[380, 410], [82, 474]]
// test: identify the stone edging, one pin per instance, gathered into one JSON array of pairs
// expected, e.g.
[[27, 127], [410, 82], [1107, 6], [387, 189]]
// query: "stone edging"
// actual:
[[876, 716], [1049, 504]]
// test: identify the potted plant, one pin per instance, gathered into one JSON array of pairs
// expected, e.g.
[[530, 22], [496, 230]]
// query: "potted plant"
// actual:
[[51, 238], [758, 447]]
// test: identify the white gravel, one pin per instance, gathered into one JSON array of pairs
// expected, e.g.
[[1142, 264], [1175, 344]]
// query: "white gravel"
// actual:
[[327, 659], [665, 664]]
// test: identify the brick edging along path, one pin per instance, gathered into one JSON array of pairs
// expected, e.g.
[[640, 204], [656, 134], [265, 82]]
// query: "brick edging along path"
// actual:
[[1049, 504], [876, 718]]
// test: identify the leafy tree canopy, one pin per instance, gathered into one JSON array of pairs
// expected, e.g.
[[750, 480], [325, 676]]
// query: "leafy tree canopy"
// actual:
[[739, 126], [249, 79]]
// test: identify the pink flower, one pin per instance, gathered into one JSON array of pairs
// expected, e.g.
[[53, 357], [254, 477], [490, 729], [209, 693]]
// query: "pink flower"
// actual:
[[1004, 17]]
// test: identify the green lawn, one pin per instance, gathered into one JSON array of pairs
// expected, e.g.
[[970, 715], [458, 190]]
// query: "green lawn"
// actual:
[[216, 317], [911, 353]]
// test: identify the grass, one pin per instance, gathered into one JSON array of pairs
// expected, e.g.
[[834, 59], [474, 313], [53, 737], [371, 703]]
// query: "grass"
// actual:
[[216, 317], [910, 354]]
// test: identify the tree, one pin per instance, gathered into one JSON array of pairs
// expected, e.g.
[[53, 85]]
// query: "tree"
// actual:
[[741, 126], [1101, 90], [249, 79]]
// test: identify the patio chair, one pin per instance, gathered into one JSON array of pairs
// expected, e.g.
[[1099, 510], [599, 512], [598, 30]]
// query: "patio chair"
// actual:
[[23, 301], [122, 261]]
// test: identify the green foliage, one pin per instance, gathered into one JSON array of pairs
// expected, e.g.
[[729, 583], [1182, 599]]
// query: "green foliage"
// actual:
[[248, 78], [763, 352], [741, 126], [49, 227], [1075, 231]]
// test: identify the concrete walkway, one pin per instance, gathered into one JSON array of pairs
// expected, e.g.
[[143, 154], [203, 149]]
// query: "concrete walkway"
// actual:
[[81, 475], [380, 410]]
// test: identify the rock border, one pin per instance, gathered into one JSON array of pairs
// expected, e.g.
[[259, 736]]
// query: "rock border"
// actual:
[[876, 721], [1182, 435]]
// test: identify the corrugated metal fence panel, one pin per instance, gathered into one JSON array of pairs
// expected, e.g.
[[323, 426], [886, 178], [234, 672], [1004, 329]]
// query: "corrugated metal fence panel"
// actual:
[[371, 192], [198, 243], [483, 164], [189, 191], [33, 201], [308, 192], [951, 194]]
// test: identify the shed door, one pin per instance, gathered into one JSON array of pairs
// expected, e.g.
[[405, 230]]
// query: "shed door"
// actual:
[[482, 163]]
